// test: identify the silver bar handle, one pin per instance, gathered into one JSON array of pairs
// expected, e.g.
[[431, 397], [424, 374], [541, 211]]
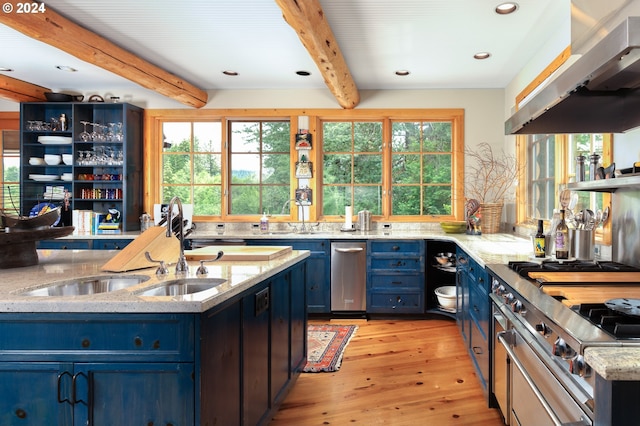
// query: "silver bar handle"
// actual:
[[349, 250]]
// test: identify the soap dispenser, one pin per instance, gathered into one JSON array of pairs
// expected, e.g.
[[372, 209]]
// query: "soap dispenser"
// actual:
[[264, 223]]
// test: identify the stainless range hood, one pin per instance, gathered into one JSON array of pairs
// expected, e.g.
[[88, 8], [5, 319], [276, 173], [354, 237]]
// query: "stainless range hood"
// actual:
[[599, 93]]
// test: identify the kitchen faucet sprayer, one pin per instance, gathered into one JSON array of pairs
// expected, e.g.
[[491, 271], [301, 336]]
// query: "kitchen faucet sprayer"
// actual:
[[181, 266]]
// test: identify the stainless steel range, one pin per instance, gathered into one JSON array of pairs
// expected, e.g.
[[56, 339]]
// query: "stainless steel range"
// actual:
[[539, 373]]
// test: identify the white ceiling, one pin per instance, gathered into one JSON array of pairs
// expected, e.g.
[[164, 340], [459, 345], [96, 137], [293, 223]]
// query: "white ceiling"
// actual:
[[198, 39]]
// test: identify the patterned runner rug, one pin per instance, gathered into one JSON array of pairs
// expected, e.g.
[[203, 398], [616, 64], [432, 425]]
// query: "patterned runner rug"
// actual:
[[326, 345]]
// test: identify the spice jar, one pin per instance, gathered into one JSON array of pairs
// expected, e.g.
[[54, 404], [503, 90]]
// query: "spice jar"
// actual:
[[580, 168]]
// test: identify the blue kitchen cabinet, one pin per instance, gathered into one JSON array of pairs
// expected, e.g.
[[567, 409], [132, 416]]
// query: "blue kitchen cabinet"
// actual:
[[256, 346], [395, 276], [62, 244], [45, 393], [83, 244], [76, 369], [318, 270], [474, 313]]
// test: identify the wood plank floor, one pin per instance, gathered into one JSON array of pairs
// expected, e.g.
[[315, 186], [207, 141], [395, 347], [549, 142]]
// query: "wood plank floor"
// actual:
[[394, 372]]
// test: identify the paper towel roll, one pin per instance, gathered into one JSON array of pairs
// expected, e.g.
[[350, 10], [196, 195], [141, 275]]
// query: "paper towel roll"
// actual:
[[348, 213]]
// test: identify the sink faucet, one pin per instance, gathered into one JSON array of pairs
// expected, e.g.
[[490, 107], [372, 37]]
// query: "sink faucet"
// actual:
[[303, 229], [181, 265]]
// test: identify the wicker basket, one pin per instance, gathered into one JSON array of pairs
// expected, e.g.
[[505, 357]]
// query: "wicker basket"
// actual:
[[491, 217]]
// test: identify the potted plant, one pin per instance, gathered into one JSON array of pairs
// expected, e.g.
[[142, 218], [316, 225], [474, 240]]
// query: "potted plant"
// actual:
[[489, 177]]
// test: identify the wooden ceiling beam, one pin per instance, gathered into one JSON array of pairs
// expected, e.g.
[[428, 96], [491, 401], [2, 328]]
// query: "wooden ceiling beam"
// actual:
[[21, 91], [52, 28], [307, 19]]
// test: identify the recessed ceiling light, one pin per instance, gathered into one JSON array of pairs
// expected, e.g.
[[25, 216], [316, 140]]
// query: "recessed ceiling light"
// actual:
[[506, 8], [482, 55], [402, 72], [303, 73], [231, 73], [3, 69], [66, 68]]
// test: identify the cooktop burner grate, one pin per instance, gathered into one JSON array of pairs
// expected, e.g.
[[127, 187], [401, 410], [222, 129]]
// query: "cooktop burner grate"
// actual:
[[523, 267], [617, 325]]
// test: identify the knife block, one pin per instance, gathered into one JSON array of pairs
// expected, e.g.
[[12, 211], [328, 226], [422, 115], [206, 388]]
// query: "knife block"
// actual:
[[155, 241]]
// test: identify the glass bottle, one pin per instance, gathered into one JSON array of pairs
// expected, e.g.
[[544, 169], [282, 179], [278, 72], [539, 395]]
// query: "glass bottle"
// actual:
[[562, 238], [539, 241]]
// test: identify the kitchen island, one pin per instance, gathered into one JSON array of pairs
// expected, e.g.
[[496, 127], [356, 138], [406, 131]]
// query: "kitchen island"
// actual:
[[227, 355]]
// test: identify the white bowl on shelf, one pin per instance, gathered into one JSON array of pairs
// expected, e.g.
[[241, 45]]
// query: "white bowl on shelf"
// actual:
[[67, 159], [67, 177], [446, 296], [35, 161], [52, 159]]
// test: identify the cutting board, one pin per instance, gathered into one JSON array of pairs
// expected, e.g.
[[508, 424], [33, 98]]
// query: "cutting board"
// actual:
[[238, 252], [581, 277], [577, 294]]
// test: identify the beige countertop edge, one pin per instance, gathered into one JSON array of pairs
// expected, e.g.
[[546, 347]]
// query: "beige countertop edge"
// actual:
[[614, 363], [58, 265]]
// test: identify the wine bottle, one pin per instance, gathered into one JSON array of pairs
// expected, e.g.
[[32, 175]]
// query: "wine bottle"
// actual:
[[539, 241], [562, 238]]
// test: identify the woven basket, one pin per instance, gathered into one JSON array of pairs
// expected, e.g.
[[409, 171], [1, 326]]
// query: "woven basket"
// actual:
[[491, 217]]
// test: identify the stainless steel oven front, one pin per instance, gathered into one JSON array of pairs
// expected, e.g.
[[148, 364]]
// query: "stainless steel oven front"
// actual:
[[539, 390]]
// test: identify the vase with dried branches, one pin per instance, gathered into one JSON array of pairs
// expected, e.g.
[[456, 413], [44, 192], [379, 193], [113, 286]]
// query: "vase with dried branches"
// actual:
[[489, 177]]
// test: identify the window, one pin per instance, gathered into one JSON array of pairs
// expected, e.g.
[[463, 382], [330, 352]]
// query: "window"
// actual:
[[541, 172], [10, 172], [352, 167], [192, 165], [421, 161], [551, 164], [233, 166], [260, 166]]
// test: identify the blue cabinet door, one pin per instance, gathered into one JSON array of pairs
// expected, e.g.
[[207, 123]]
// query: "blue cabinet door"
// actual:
[[318, 270], [134, 393], [220, 375], [35, 394], [255, 354], [280, 323]]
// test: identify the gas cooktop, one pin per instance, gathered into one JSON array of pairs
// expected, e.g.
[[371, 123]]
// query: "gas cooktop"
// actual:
[[523, 268]]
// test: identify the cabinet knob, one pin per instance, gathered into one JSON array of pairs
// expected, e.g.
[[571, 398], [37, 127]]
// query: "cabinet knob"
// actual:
[[395, 248]]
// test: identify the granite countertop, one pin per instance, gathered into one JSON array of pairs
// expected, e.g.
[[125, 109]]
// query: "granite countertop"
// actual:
[[62, 265], [618, 363]]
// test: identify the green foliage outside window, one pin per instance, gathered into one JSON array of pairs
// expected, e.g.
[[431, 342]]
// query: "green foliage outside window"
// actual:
[[421, 168], [351, 167]]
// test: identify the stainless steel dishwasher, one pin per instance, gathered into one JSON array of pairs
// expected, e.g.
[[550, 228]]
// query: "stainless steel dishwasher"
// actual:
[[349, 276]]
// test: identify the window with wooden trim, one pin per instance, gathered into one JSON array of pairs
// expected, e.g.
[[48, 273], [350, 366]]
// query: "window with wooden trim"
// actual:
[[10, 171], [232, 165], [191, 165], [259, 166]]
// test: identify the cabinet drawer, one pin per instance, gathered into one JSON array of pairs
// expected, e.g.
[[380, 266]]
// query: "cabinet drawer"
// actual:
[[399, 302], [397, 264], [380, 281], [110, 244], [108, 337], [64, 244], [396, 246], [479, 350]]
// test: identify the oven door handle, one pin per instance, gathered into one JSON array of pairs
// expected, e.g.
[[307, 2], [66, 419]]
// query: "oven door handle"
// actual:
[[502, 338]]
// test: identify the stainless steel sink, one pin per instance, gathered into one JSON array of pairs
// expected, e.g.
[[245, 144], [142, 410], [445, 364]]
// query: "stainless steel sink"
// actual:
[[88, 285], [182, 287]]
